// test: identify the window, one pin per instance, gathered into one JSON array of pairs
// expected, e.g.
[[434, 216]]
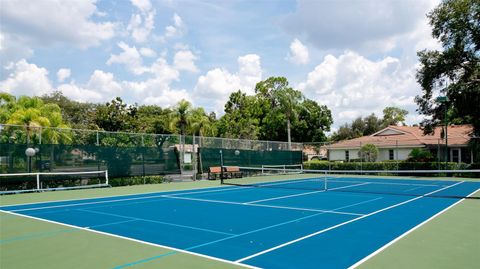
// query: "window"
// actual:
[[391, 154], [455, 155], [347, 155]]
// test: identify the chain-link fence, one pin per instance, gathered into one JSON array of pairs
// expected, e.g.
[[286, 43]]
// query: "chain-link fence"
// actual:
[[130, 154]]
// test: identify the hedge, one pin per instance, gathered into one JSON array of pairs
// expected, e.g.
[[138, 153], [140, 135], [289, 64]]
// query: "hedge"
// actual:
[[136, 180], [388, 165]]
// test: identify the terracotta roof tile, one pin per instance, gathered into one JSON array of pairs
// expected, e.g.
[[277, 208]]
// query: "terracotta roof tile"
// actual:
[[409, 136]]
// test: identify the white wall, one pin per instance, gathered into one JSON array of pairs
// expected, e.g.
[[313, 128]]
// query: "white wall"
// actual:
[[401, 153], [339, 154]]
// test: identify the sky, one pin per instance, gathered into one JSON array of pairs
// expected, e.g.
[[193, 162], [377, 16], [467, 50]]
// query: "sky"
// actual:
[[355, 56]]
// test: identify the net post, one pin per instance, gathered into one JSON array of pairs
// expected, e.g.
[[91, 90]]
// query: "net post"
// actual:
[[284, 169], [37, 175], [325, 181], [106, 177]]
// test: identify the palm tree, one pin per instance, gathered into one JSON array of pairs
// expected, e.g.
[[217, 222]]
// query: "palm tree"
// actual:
[[28, 114], [58, 131], [179, 116], [179, 119], [289, 101], [200, 124], [7, 104]]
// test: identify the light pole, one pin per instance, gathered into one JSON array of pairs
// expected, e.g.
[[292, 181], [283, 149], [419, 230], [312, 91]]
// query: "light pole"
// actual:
[[444, 100], [30, 152]]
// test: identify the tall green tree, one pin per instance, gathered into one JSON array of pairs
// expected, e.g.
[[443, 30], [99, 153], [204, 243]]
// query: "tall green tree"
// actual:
[[180, 116], [243, 114], [200, 123], [7, 105], [313, 122], [59, 132], [79, 115], [28, 113], [393, 116], [453, 71], [116, 116], [289, 102], [33, 113]]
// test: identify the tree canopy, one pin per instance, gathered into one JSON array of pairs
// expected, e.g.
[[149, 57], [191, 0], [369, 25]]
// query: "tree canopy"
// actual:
[[370, 124], [453, 71], [273, 112]]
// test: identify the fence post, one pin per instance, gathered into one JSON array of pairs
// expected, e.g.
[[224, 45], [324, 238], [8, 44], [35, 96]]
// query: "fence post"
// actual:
[[38, 180], [396, 153]]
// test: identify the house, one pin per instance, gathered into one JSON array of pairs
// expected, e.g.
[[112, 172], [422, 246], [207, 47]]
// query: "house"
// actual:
[[396, 143]]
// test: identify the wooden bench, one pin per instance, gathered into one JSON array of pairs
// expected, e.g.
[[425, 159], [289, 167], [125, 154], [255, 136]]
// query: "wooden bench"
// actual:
[[214, 172], [233, 172]]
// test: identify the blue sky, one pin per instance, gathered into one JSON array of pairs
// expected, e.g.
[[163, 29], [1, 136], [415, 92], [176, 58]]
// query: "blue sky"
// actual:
[[355, 56]]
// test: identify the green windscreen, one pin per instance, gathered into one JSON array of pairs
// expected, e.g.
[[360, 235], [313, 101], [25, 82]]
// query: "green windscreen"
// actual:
[[119, 161], [253, 158]]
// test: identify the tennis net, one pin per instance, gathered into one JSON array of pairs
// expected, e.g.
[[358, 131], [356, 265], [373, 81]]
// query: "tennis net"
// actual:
[[432, 183], [50, 181]]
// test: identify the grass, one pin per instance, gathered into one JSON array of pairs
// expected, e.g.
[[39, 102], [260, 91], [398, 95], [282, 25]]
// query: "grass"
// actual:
[[452, 240], [29, 243]]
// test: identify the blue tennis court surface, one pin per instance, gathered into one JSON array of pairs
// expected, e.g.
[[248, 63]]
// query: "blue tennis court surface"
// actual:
[[264, 227]]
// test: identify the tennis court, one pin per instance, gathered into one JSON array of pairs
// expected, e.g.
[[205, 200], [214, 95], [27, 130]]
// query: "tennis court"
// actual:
[[289, 221]]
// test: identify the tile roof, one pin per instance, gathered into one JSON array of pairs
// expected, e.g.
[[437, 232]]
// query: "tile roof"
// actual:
[[402, 136]]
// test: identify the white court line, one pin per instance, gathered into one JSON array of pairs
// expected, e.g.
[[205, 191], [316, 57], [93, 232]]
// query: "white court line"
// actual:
[[411, 189], [407, 232], [334, 179], [219, 188], [342, 224], [301, 194], [115, 200], [111, 223], [155, 221], [134, 240], [262, 205]]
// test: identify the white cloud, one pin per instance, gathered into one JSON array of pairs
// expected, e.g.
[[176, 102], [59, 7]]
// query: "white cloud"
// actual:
[[130, 57], [49, 22], [63, 73], [141, 24], [298, 53], [175, 30], [26, 79], [143, 5], [371, 24], [79, 93], [101, 81], [213, 88], [148, 52], [29, 79], [351, 85], [185, 60], [13, 48]]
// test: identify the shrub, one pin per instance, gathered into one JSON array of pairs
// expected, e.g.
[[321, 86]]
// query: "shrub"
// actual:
[[387, 165], [420, 155], [136, 180], [368, 153]]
